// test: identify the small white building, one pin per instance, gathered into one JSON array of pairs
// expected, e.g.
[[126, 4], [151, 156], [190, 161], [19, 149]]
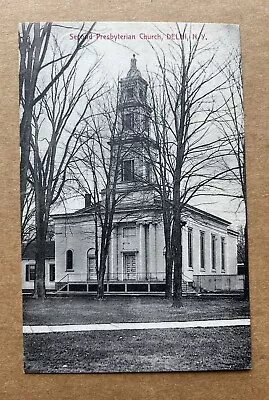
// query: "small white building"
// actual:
[[28, 266], [136, 261]]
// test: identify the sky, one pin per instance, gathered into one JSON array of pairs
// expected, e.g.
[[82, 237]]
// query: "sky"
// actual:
[[116, 43]]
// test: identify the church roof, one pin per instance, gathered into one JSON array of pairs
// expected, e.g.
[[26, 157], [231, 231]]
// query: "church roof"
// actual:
[[156, 206], [29, 250], [134, 71], [207, 214]]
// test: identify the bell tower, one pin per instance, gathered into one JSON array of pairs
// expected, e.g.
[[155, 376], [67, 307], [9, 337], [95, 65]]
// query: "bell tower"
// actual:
[[138, 149], [134, 109]]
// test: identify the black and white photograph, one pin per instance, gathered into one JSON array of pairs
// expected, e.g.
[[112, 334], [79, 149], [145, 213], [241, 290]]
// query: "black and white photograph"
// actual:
[[133, 198]]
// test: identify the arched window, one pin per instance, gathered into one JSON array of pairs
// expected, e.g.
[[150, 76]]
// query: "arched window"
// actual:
[[92, 275], [69, 260]]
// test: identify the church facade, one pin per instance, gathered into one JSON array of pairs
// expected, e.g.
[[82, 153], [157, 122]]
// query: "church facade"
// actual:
[[136, 259]]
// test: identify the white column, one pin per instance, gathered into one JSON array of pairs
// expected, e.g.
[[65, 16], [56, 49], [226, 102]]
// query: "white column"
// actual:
[[156, 249], [113, 253], [141, 264], [111, 256], [118, 256], [152, 251]]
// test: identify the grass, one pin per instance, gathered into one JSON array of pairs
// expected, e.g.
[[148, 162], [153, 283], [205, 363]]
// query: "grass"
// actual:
[[154, 350], [87, 310], [191, 349]]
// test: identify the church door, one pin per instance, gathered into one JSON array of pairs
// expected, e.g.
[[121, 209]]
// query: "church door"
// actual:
[[130, 266]]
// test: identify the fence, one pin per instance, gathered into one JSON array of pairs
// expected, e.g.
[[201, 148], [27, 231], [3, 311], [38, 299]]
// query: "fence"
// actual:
[[83, 277]]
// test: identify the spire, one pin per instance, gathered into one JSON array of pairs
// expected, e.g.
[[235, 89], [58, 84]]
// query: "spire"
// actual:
[[133, 71], [133, 62]]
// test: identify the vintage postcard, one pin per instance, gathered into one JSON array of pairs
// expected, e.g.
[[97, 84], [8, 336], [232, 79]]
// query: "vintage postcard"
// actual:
[[133, 198]]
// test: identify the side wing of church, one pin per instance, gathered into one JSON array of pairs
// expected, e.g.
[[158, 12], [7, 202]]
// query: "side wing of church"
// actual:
[[136, 260]]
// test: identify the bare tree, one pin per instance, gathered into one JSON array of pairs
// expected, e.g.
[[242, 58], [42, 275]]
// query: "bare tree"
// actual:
[[58, 124], [230, 123], [34, 45], [97, 170], [185, 96], [28, 218]]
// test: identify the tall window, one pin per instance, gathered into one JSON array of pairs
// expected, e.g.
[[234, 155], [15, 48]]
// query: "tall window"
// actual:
[[92, 273], [69, 260], [202, 250], [130, 93], [190, 249], [128, 121], [30, 272], [213, 251], [223, 254], [128, 170], [147, 171], [146, 123], [52, 272]]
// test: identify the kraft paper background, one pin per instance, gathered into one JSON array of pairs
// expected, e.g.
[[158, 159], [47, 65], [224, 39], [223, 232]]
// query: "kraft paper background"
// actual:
[[253, 17]]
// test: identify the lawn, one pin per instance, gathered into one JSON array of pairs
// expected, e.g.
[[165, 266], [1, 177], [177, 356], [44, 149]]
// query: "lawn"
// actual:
[[189, 349], [139, 351], [87, 310]]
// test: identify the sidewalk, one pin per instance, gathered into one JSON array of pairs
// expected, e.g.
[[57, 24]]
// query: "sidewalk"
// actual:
[[135, 326]]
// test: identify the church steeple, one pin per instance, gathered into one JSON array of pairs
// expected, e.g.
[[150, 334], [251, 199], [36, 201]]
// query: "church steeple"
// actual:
[[133, 71], [135, 111], [136, 148]]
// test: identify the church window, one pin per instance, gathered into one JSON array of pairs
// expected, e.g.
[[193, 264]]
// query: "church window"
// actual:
[[128, 170], [213, 251], [146, 123], [202, 250], [92, 274], [130, 93], [69, 260], [223, 254], [141, 94], [128, 121], [30, 272], [190, 249], [52, 272], [147, 177]]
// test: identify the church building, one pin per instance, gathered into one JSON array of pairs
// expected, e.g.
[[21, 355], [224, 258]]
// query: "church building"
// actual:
[[136, 260]]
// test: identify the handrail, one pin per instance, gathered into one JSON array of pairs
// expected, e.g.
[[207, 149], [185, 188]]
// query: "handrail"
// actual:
[[189, 279], [61, 280], [83, 277], [218, 275]]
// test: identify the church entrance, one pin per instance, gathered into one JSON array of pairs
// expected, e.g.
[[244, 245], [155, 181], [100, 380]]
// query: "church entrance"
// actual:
[[129, 266]]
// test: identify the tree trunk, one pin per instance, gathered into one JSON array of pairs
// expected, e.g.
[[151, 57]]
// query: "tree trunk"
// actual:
[[101, 272], [168, 254], [101, 278], [168, 273], [100, 289], [25, 133], [41, 234], [40, 289], [246, 281]]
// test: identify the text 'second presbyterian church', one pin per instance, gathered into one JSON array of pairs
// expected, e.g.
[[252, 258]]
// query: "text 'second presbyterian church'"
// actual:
[[136, 260]]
